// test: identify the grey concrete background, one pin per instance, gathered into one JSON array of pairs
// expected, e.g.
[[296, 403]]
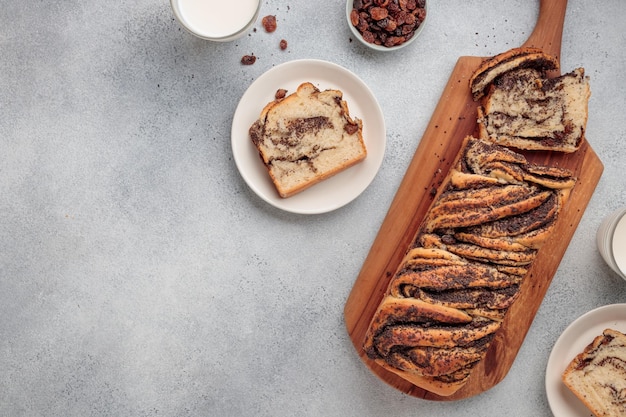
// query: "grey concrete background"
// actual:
[[140, 276]]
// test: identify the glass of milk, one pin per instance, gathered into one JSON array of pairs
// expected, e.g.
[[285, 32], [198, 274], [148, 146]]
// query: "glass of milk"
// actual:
[[611, 241], [217, 20]]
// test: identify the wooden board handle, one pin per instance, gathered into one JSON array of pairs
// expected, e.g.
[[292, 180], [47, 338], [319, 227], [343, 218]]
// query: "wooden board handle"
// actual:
[[548, 31]]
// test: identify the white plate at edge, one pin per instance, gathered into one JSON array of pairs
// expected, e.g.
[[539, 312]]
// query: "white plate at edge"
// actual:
[[335, 191], [572, 341]]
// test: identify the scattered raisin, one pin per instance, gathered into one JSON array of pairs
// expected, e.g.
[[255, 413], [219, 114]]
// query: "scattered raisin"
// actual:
[[269, 23], [280, 94], [248, 59], [350, 128], [283, 44]]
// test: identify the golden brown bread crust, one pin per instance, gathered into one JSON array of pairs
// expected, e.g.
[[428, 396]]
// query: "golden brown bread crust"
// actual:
[[473, 207], [524, 57], [438, 385], [445, 353], [464, 269], [448, 278]]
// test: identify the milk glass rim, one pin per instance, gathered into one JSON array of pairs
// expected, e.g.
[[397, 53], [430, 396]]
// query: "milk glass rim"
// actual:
[[226, 38]]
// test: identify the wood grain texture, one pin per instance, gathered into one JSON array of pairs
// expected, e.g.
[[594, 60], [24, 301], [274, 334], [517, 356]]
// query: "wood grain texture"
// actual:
[[453, 119]]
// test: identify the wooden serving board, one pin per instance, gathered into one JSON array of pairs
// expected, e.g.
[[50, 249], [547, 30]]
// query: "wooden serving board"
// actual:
[[454, 118]]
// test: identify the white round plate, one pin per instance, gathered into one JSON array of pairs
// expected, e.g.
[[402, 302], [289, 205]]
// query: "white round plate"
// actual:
[[572, 341], [337, 190]]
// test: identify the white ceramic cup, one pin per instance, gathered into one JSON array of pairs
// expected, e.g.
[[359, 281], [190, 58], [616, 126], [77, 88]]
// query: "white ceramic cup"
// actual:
[[611, 241], [217, 20]]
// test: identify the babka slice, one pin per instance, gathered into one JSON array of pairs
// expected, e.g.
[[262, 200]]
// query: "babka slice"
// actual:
[[597, 375], [527, 111], [307, 137]]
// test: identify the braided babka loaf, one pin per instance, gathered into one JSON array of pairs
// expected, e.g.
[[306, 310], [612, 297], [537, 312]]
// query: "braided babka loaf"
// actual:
[[465, 267]]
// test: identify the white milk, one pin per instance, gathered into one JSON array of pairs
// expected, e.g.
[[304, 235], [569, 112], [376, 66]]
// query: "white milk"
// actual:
[[216, 18], [619, 245]]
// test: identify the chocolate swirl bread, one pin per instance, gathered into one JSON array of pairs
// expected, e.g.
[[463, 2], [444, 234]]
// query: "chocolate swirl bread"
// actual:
[[516, 58], [524, 108], [465, 267], [597, 376], [307, 137]]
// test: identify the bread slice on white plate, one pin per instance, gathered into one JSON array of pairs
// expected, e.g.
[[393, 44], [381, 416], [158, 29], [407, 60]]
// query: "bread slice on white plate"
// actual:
[[307, 137], [597, 375]]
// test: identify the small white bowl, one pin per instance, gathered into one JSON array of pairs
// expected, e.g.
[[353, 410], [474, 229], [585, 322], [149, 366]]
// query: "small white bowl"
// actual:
[[382, 48], [611, 241], [216, 20]]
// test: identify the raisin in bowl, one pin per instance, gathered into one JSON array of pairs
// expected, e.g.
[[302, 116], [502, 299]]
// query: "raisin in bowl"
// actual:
[[386, 25]]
